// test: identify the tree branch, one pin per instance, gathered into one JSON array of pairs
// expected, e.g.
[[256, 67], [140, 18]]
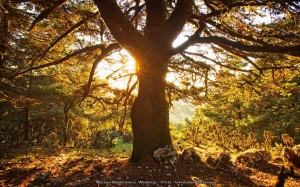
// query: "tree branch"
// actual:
[[104, 53], [176, 21], [240, 54], [124, 32], [128, 93], [77, 52], [46, 12], [202, 65], [137, 11], [65, 34], [156, 13], [234, 34], [218, 63], [291, 50]]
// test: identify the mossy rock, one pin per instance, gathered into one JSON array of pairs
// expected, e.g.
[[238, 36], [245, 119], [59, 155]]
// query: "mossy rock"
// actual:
[[189, 156], [254, 157], [166, 155], [223, 160], [115, 134], [292, 155], [210, 161]]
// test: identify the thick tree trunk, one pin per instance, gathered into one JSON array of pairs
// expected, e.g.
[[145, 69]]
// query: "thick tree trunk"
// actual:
[[150, 113]]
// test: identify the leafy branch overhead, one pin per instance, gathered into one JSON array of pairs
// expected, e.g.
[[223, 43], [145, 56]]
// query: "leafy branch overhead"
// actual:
[[46, 12], [241, 36]]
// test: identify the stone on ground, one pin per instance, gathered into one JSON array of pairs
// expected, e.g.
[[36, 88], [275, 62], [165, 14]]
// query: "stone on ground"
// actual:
[[166, 155], [223, 160], [254, 157], [189, 156], [292, 155]]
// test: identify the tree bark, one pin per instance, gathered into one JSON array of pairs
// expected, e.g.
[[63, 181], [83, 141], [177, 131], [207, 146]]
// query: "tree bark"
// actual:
[[150, 112]]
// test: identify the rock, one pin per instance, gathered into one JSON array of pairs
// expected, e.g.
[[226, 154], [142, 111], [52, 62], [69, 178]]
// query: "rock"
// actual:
[[22, 170], [47, 175], [223, 160], [166, 155], [211, 161], [42, 177], [253, 157], [37, 177], [115, 134], [291, 155], [77, 183], [127, 137], [189, 155], [57, 180], [84, 180]]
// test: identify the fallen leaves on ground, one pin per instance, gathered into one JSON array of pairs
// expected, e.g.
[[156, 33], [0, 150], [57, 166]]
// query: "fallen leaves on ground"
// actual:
[[98, 168]]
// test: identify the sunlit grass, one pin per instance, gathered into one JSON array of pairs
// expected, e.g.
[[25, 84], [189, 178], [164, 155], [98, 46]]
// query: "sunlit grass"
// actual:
[[122, 149]]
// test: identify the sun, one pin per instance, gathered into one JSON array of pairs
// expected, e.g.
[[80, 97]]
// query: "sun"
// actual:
[[116, 69], [126, 66]]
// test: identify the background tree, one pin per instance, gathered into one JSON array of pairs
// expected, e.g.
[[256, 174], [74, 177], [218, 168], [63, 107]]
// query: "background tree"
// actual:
[[255, 105], [237, 35]]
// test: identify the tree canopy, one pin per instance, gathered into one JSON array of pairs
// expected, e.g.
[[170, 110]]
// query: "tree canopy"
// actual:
[[57, 46]]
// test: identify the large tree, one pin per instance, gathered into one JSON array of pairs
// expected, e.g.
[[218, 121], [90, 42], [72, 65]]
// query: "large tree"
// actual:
[[228, 34], [149, 114], [151, 46]]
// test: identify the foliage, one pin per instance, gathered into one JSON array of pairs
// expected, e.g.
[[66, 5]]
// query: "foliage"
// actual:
[[59, 61], [266, 109]]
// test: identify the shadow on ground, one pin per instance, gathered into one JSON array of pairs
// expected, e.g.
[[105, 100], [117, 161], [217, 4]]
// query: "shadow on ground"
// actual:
[[96, 169]]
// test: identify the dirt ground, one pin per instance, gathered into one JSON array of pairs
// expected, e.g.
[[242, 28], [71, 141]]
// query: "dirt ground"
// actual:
[[46, 167]]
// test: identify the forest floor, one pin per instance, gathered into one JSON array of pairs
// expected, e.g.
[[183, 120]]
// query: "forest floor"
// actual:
[[36, 166]]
